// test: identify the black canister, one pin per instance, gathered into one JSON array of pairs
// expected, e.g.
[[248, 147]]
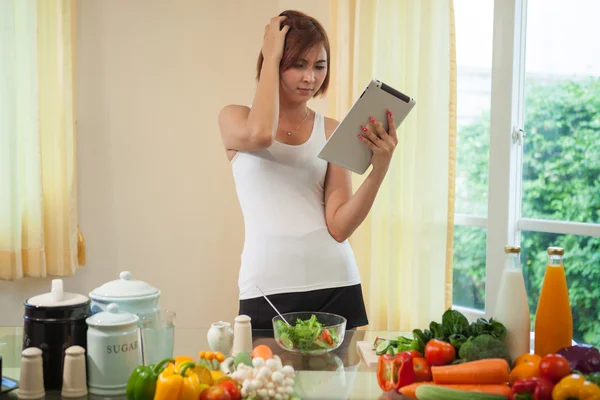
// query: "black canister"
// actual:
[[53, 322]]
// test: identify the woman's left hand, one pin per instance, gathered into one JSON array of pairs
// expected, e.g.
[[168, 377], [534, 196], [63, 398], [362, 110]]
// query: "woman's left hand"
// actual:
[[382, 143]]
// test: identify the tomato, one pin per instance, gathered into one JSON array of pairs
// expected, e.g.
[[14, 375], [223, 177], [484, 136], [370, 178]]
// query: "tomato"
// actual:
[[422, 370], [232, 388], [415, 354], [554, 367], [438, 352], [215, 393]]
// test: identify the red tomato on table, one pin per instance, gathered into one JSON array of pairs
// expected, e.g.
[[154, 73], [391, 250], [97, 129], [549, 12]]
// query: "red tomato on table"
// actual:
[[554, 367], [438, 352], [422, 370]]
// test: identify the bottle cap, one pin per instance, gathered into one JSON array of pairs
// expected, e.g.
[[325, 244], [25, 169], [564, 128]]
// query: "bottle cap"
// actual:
[[512, 249], [556, 251]]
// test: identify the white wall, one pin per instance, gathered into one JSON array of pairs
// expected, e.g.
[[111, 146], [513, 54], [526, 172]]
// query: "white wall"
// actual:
[[156, 196]]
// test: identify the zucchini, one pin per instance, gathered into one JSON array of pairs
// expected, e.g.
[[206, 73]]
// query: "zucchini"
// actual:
[[431, 392]]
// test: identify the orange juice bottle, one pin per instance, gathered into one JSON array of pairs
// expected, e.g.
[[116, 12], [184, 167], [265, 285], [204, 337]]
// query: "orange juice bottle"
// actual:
[[553, 319]]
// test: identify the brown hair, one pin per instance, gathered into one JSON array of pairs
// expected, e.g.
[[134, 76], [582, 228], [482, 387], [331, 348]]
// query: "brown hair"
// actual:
[[305, 32]]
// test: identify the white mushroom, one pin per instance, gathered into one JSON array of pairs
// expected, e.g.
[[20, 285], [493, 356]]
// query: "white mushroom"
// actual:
[[277, 377], [258, 362], [288, 371], [271, 363]]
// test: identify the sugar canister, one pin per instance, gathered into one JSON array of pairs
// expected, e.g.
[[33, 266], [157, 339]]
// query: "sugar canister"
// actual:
[[113, 350]]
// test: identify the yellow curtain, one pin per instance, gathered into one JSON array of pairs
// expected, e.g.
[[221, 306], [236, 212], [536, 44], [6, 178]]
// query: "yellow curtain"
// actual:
[[404, 248], [38, 199]]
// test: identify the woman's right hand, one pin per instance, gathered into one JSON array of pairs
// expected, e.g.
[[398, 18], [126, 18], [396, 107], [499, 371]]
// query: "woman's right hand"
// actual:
[[274, 38]]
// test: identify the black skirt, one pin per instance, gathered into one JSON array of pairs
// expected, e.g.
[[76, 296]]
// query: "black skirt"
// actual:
[[346, 301]]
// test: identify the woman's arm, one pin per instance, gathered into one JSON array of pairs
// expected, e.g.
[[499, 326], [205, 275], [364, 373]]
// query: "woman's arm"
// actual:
[[253, 129], [345, 212]]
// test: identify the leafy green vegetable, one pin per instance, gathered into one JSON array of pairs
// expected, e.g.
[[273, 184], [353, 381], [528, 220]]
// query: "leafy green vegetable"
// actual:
[[457, 340], [594, 378], [493, 328], [454, 323], [454, 329], [306, 335], [484, 346], [422, 337]]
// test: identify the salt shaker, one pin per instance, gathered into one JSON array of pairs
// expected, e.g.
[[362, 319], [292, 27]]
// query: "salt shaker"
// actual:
[[242, 335], [74, 373], [32, 375]]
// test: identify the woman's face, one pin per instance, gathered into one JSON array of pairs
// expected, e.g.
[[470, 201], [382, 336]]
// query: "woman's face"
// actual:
[[305, 77]]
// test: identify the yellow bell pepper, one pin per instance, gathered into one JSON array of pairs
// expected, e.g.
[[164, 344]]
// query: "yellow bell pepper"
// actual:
[[183, 359], [589, 391], [179, 382], [575, 387]]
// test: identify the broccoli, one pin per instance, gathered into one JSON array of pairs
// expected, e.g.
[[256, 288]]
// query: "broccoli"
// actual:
[[484, 346]]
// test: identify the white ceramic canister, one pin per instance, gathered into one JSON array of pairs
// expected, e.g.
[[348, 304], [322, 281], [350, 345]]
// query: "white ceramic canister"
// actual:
[[113, 350], [131, 295]]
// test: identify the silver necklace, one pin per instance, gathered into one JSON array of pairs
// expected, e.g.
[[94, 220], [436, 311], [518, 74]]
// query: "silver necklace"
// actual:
[[289, 133]]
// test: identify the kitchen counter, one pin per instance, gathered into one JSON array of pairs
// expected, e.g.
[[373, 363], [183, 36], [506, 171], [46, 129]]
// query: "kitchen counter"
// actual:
[[340, 374]]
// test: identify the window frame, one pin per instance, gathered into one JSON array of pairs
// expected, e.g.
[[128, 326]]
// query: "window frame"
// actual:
[[504, 223]]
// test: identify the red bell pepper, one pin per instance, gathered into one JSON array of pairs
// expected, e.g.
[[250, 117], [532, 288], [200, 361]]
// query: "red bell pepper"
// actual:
[[395, 372], [532, 389]]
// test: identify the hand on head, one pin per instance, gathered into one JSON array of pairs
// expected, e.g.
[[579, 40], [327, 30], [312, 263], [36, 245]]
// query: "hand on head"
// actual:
[[274, 39]]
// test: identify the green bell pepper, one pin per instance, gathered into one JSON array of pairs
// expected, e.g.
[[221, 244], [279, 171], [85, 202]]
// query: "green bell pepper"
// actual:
[[142, 382]]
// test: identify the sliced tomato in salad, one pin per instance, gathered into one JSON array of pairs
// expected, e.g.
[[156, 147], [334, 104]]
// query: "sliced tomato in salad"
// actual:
[[326, 337]]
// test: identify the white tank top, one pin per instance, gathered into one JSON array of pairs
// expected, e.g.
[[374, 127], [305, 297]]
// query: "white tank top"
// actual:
[[287, 245]]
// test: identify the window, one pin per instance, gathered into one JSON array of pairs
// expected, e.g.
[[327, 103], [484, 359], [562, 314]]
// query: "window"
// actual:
[[528, 150], [474, 34]]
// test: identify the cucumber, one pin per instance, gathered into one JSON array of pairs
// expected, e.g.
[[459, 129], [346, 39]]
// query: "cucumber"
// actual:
[[382, 347], [286, 341], [431, 392], [377, 341]]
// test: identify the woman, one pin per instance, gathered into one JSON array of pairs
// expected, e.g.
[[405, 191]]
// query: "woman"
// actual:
[[298, 210]]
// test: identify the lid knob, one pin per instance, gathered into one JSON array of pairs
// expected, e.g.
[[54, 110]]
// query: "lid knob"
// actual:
[[57, 290], [126, 275], [113, 308]]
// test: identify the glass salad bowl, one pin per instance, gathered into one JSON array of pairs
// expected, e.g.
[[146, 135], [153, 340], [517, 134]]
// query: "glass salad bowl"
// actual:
[[309, 332]]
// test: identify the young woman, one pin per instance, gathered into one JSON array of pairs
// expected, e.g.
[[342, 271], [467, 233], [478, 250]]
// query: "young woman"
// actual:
[[298, 210]]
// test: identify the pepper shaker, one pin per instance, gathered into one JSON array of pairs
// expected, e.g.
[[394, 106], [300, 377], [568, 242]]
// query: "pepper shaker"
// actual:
[[74, 373], [242, 335], [32, 375]]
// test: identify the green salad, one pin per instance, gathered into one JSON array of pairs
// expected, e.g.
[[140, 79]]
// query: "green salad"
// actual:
[[306, 335]]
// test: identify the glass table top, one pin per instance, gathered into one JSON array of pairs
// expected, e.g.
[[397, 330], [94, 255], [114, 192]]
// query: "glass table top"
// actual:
[[340, 374]]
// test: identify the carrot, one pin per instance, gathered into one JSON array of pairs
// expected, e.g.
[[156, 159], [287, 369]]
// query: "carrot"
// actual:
[[501, 389], [481, 372], [411, 390]]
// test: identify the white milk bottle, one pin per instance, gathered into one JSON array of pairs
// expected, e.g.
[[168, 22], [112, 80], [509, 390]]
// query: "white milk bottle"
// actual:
[[512, 309]]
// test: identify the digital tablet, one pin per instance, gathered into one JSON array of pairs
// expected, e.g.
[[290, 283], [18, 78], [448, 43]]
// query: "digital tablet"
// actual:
[[343, 147]]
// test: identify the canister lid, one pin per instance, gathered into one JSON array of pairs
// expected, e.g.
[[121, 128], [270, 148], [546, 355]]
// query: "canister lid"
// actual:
[[124, 287], [112, 317], [57, 297]]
